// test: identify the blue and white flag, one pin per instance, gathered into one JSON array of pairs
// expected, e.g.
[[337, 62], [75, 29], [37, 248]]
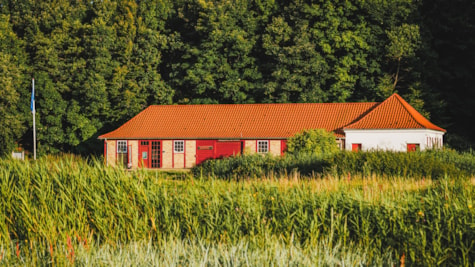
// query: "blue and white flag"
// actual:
[[32, 104]]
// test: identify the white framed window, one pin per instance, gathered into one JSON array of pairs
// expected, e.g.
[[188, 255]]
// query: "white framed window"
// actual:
[[122, 146], [179, 146], [262, 146]]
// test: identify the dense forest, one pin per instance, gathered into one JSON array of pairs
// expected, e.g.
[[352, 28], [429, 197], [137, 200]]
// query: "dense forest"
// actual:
[[98, 63]]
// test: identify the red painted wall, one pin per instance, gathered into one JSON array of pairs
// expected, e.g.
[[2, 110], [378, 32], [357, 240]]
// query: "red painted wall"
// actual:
[[206, 149], [283, 147], [227, 148]]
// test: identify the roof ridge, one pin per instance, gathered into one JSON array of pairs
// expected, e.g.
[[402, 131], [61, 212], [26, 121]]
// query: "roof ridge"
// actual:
[[369, 112], [250, 104], [364, 114], [267, 120], [415, 115], [410, 109], [230, 120]]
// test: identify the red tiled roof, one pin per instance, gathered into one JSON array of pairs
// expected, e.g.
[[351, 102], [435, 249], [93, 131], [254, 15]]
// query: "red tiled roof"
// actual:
[[272, 121], [394, 113], [238, 121]]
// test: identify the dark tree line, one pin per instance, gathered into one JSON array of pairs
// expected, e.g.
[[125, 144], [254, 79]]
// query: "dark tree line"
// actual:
[[98, 63]]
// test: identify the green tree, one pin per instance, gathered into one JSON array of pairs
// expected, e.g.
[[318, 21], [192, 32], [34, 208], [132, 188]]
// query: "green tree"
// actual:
[[296, 70], [98, 63], [313, 142], [389, 22], [404, 41], [12, 68], [98, 40], [54, 45], [150, 43], [217, 60], [316, 52], [137, 50]]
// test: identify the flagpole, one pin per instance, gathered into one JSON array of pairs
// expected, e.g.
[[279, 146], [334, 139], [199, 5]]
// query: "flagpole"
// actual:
[[33, 111]]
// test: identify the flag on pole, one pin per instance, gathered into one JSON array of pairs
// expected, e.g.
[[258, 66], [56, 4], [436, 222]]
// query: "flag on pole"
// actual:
[[32, 104], [32, 107]]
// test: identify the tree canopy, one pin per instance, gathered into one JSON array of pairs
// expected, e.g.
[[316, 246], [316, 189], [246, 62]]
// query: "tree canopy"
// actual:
[[98, 63]]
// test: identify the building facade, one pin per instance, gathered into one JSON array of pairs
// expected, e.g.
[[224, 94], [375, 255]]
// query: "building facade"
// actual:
[[182, 136]]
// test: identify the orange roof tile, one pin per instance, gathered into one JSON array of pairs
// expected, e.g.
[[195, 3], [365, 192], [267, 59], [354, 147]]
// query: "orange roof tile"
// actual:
[[394, 113], [267, 121], [237, 121]]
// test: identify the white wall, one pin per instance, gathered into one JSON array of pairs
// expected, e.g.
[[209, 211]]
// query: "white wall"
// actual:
[[393, 139]]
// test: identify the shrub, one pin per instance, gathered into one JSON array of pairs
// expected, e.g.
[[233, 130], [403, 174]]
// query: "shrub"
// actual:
[[245, 166], [313, 141], [435, 164]]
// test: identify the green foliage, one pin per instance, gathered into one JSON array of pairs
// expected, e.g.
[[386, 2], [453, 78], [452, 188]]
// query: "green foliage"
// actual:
[[238, 167], [219, 62], [313, 141], [435, 164], [404, 41], [12, 67], [102, 62], [55, 208], [316, 52]]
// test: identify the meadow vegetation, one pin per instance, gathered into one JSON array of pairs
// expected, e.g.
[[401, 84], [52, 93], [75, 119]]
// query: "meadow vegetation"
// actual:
[[68, 210], [434, 164]]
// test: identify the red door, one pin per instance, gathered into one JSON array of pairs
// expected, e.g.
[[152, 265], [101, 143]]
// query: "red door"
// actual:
[[227, 148], [150, 154], [283, 147], [412, 147], [204, 150], [355, 147], [144, 154]]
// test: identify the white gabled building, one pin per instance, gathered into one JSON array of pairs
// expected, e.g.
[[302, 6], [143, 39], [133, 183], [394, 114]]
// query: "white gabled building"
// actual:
[[393, 125]]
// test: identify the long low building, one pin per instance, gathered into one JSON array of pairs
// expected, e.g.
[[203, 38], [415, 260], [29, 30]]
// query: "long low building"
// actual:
[[181, 136]]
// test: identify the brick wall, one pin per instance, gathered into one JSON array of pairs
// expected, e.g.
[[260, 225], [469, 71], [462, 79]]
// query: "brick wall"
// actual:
[[111, 152], [275, 146], [250, 146], [167, 154], [190, 153], [133, 146]]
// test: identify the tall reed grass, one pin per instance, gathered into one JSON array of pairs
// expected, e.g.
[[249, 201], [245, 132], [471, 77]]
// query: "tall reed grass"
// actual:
[[56, 205], [186, 252]]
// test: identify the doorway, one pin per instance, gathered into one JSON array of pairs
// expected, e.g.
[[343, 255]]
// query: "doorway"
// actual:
[[150, 154]]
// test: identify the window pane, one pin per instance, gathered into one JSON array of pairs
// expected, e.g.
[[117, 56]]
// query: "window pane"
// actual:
[[262, 146], [179, 146], [121, 146]]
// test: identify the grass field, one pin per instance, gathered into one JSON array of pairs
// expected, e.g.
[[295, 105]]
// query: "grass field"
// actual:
[[69, 211]]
